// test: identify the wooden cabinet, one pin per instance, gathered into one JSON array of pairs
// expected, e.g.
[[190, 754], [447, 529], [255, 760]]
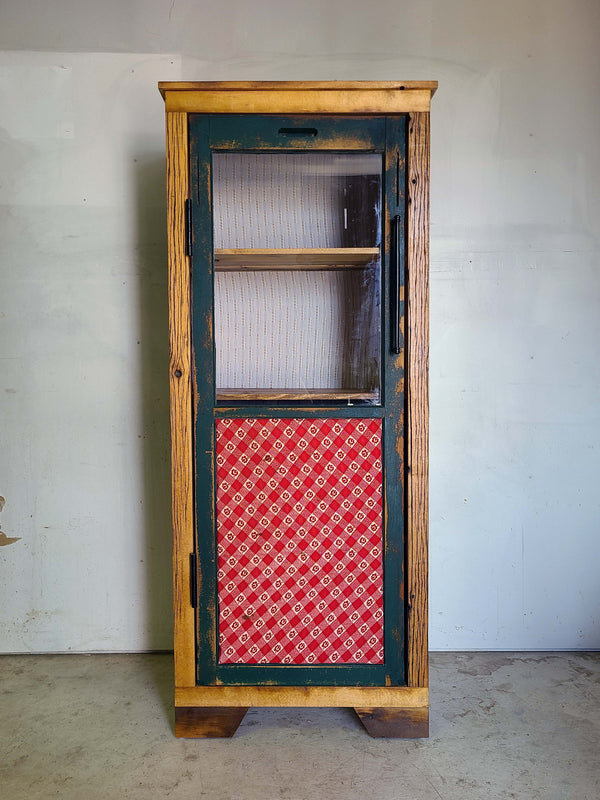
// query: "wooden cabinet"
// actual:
[[298, 284]]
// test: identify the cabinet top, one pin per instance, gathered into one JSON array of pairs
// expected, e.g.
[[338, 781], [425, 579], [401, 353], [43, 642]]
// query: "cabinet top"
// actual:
[[297, 97]]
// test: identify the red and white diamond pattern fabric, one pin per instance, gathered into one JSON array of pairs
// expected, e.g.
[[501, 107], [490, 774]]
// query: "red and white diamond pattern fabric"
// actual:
[[299, 541]]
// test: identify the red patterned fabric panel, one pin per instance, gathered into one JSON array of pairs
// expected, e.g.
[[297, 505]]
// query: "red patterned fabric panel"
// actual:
[[299, 536]]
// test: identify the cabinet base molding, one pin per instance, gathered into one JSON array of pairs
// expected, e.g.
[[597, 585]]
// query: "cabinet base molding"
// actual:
[[207, 722], [303, 696], [217, 711], [395, 723]]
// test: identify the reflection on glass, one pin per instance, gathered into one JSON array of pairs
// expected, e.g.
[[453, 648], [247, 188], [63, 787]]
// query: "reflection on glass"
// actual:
[[297, 288]]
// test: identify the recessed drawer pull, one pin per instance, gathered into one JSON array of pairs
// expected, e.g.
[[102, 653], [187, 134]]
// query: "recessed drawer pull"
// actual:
[[298, 132]]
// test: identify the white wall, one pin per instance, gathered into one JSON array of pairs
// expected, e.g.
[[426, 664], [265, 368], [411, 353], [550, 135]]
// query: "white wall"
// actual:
[[515, 300]]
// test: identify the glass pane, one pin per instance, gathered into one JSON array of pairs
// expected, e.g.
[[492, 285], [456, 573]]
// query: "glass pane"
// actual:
[[297, 287]]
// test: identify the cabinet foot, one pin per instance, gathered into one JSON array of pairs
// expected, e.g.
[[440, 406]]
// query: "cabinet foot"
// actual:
[[395, 723], [207, 722]]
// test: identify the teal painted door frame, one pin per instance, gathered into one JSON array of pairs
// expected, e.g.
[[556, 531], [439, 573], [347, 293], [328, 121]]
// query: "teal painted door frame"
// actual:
[[270, 133]]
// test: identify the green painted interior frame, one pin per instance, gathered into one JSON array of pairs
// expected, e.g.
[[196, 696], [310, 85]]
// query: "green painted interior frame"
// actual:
[[261, 133]]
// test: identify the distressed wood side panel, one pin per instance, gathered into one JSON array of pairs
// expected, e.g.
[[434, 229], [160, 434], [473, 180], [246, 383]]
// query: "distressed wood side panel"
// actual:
[[417, 479], [180, 377]]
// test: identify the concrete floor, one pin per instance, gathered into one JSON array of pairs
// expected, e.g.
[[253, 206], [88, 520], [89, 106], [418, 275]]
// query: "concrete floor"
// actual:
[[502, 726]]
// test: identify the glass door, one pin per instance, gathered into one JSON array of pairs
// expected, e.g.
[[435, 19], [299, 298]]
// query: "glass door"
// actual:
[[299, 544], [297, 240]]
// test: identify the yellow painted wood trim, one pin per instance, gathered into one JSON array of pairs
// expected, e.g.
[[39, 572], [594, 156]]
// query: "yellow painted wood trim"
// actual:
[[297, 101], [303, 696], [180, 378], [301, 86], [417, 422]]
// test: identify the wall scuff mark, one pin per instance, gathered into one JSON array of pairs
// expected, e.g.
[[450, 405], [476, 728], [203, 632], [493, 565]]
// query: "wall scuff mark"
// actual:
[[4, 539]]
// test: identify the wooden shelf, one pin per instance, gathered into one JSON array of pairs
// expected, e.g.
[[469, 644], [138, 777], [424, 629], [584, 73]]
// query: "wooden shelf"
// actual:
[[326, 258], [255, 395]]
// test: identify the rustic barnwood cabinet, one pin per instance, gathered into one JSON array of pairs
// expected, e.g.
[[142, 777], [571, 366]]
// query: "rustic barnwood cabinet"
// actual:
[[298, 285]]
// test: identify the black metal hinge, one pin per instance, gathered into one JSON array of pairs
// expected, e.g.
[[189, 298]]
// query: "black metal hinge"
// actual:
[[193, 581], [188, 227]]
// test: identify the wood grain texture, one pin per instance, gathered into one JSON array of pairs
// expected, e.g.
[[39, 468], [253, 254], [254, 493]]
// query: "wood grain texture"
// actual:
[[304, 696], [417, 423], [308, 97], [294, 102], [208, 723], [294, 258], [260, 395], [395, 723], [180, 376], [302, 86]]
